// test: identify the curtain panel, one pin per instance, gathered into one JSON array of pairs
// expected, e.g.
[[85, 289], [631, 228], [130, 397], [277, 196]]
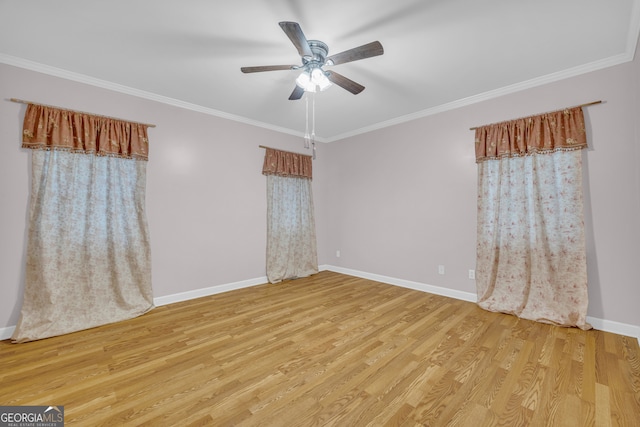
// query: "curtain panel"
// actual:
[[531, 251], [291, 230], [88, 260]]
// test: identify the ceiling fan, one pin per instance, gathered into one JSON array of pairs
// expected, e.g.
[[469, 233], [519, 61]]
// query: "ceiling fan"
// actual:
[[314, 57]]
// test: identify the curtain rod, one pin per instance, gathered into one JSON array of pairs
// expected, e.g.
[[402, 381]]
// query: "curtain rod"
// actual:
[[20, 101], [568, 108], [284, 151]]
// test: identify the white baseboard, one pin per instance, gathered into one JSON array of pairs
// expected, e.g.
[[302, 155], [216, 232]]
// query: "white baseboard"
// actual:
[[437, 290], [600, 324], [5, 333], [615, 327], [205, 292]]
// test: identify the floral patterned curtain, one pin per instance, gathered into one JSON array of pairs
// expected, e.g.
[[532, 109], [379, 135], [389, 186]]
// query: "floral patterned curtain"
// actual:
[[291, 232], [88, 252], [531, 253]]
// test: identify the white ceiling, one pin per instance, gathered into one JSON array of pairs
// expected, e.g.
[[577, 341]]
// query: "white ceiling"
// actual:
[[439, 54]]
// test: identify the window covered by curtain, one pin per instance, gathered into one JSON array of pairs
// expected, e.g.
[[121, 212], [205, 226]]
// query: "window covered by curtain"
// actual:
[[88, 253], [531, 254], [291, 232]]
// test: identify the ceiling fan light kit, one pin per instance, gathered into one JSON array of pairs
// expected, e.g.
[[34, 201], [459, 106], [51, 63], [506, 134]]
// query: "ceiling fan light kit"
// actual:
[[314, 81]]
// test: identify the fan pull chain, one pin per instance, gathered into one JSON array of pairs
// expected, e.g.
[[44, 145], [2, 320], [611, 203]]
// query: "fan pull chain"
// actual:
[[307, 138], [313, 125], [310, 139]]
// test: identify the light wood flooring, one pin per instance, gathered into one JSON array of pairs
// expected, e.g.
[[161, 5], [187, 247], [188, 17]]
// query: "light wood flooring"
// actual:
[[329, 350]]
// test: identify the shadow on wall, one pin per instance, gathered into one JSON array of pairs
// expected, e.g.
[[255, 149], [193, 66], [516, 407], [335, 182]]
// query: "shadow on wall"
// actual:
[[15, 313], [593, 275]]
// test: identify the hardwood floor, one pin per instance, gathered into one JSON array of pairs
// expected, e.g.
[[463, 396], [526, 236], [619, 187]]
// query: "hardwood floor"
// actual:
[[329, 350]]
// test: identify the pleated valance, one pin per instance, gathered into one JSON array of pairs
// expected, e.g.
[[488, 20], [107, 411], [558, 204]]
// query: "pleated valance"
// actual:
[[51, 128], [543, 133], [285, 163]]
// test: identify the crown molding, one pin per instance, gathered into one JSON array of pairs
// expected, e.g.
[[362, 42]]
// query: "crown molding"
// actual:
[[485, 96], [627, 56], [104, 84]]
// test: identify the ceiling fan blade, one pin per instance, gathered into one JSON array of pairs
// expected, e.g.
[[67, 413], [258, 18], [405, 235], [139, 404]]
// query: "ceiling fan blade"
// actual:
[[261, 68], [361, 52], [296, 94], [345, 83], [295, 34]]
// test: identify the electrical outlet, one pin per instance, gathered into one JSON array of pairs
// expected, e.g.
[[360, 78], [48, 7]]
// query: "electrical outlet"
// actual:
[[441, 269], [338, 254], [472, 274]]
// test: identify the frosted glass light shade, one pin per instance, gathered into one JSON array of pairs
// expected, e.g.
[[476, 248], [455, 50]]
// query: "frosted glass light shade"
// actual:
[[311, 82], [305, 82]]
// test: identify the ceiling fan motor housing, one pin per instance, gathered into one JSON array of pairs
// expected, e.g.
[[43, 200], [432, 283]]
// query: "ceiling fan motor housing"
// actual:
[[320, 51]]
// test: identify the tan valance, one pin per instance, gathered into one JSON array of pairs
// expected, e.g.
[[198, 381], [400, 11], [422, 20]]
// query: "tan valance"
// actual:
[[285, 163], [548, 132], [51, 128]]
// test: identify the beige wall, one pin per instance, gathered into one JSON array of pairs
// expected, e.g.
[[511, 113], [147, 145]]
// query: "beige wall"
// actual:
[[396, 202], [206, 196], [405, 196]]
